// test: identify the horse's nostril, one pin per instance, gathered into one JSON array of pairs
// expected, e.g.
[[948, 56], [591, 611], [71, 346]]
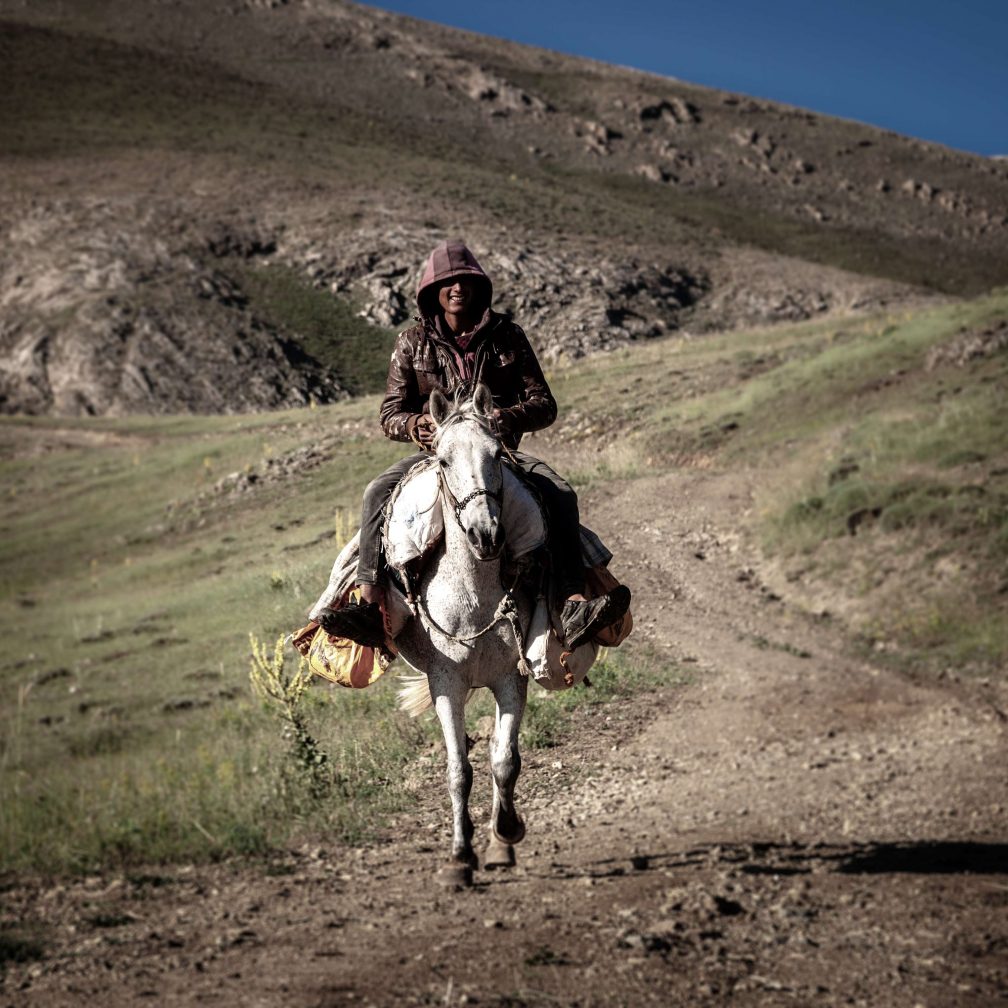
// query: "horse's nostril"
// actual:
[[474, 537], [497, 539]]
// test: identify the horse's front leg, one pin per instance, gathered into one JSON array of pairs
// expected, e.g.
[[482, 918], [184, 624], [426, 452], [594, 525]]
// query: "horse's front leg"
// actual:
[[506, 826], [449, 695]]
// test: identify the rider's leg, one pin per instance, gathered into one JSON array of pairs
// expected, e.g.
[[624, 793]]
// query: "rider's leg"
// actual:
[[580, 619], [364, 623], [564, 524], [373, 518]]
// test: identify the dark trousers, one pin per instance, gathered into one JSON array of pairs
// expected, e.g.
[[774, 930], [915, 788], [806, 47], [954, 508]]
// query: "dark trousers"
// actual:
[[558, 499]]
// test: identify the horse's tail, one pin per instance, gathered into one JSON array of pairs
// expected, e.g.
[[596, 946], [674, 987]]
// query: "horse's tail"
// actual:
[[414, 697]]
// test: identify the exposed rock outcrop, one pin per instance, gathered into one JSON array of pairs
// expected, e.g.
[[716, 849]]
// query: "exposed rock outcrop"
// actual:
[[104, 309]]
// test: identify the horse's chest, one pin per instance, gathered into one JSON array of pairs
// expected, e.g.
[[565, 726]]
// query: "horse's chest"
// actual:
[[479, 651]]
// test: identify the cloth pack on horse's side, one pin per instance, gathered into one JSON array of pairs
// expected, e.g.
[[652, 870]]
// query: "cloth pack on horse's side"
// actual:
[[553, 666], [414, 519], [341, 579], [522, 515]]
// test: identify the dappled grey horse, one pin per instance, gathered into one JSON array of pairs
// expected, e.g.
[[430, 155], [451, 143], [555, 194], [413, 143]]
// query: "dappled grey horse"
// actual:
[[468, 627]]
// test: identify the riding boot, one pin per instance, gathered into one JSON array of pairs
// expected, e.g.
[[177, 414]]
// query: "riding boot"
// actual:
[[360, 622], [581, 621]]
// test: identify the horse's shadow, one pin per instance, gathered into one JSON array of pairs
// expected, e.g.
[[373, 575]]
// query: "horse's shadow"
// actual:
[[925, 857]]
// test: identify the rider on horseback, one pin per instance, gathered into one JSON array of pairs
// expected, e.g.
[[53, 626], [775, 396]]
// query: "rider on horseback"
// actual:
[[458, 342]]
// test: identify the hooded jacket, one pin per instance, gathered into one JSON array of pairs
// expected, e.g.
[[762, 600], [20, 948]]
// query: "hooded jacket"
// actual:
[[496, 352]]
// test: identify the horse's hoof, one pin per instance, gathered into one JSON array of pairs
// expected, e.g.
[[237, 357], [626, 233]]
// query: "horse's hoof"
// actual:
[[516, 837], [455, 876], [498, 854]]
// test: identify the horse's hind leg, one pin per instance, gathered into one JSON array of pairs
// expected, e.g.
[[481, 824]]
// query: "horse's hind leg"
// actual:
[[506, 825], [449, 702]]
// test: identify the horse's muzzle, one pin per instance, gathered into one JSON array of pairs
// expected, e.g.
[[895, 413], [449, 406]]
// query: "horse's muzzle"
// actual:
[[486, 544]]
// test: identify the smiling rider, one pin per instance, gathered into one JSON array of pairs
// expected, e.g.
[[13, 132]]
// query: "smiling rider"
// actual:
[[459, 341]]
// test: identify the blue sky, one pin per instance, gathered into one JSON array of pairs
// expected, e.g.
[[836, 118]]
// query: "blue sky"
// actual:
[[933, 70]]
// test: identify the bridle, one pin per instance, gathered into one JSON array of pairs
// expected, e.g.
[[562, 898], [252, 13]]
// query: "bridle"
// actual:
[[458, 506]]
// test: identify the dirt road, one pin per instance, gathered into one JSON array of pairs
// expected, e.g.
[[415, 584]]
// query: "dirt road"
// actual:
[[786, 824]]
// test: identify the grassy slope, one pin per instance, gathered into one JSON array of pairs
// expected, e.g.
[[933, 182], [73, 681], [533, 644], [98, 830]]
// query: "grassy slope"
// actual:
[[327, 328], [882, 481], [129, 732]]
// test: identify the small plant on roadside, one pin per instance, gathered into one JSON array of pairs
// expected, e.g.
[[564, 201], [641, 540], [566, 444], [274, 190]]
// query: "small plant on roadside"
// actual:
[[284, 691], [343, 527]]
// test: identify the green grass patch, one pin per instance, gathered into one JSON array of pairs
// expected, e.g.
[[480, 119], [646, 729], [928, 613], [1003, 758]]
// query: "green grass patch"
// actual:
[[129, 735], [865, 443], [326, 327], [951, 633], [906, 462], [549, 716], [926, 456], [218, 783]]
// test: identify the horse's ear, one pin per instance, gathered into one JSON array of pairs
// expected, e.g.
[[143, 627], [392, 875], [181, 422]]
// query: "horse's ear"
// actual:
[[483, 400], [438, 407]]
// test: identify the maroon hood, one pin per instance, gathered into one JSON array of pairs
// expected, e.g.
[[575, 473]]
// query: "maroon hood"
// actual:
[[449, 260]]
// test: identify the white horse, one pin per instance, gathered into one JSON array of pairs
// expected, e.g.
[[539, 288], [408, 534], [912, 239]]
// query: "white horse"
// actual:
[[468, 627]]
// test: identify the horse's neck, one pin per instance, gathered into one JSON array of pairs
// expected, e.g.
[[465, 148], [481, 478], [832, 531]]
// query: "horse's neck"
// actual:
[[475, 584]]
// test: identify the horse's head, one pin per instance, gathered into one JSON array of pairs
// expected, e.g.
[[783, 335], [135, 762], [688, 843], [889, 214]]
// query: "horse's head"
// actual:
[[469, 453]]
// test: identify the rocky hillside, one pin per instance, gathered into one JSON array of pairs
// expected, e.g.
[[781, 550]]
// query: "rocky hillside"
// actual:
[[223, 206]]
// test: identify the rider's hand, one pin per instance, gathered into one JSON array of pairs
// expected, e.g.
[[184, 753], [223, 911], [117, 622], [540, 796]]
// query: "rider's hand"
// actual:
[[423, 431], [500, 422]]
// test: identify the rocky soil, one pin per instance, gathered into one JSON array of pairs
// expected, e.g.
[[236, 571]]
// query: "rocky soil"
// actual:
[[783, 822], [114, 308]]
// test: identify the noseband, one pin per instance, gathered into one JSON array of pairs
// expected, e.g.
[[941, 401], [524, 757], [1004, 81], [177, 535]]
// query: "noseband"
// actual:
[[460, 505]]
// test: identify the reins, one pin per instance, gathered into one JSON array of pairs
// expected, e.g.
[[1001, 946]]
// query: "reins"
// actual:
[[506, 610]]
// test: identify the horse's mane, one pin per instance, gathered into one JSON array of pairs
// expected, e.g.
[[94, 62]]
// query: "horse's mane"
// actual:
[[464, 408]]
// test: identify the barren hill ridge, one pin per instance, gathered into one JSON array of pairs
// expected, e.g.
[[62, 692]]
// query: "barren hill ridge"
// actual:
[[223, 206]]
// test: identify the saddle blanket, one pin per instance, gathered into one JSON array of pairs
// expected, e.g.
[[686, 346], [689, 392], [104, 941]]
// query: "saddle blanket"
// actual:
[[415, 516]]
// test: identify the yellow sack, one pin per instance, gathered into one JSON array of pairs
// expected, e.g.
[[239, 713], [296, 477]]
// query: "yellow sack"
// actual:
[[340, 660]]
